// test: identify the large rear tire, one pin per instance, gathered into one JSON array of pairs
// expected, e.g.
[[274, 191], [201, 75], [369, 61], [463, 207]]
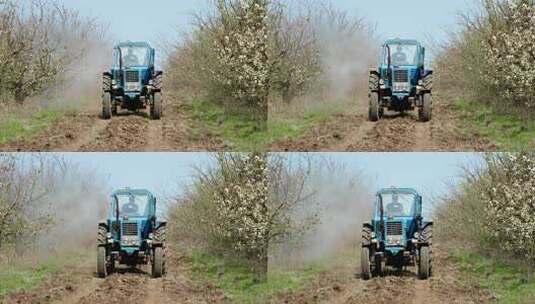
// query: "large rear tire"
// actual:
[[373, 110], [156, 106], [102, 267], [158, 262], [425, 112], [106, 105], [424, 265], [365, 267]]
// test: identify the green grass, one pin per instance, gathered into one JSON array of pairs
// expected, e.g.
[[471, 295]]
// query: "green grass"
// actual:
[[237, 281], [511, 284], [12, 127], [508, 131], [23, 275], [240, 131]]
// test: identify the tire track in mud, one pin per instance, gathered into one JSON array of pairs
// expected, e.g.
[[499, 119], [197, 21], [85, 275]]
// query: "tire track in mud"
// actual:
[[393, 132], [444, 286]]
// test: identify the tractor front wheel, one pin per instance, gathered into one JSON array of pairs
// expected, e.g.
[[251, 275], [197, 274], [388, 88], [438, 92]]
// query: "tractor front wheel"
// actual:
[[106, 105], [156, 106], [365, 267], [425, 111], [102, 267], [158, 262], [373, 110], [424, 265]]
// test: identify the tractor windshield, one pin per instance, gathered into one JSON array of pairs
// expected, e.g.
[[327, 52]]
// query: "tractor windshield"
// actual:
[[402, 54], [133, 205], [135, 56], [398, 204]]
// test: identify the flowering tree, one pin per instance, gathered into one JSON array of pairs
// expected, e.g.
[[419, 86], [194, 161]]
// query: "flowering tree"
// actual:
[[242, 207], [510, 205], [510, 50]]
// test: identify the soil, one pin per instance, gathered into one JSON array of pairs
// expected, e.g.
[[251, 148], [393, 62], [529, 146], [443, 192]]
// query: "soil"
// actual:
[[444, 286], [128, 131], [394, 132], [126, 285]]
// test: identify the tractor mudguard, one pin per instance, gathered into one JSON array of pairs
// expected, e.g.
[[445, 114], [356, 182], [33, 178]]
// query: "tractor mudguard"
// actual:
[[367, 229], [102, 236], [426, 234], [106, 81]]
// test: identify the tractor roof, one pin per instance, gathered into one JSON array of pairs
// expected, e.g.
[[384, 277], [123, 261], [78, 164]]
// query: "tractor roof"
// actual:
[[133, 43], [132, 191], [402, 41], [397, 190]]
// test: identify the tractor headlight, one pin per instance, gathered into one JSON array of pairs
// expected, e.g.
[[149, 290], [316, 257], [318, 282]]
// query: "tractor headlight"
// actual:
[[113, 82], [381, 81], [108, 235], [373, 235], [151, 236], [420, 82], [416, 235]]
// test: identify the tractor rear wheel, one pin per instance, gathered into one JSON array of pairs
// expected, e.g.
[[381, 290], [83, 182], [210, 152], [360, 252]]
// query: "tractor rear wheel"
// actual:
[[365, 267], [373, 110], [106, 105], [425, 111], [102, 268], [424, 265], [156, 106], [158, 262]]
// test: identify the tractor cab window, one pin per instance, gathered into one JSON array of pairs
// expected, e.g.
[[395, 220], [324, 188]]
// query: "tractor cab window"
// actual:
[[133, 205], [134, 56], [402, 54], [398, 204]]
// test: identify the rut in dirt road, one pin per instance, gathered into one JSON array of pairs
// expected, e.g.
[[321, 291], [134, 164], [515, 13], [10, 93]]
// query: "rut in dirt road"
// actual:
[[125, 132], [344, 286], [132, 286], [392, 133]]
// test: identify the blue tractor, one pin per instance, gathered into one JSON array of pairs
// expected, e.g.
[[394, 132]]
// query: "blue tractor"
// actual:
[[133, 83], [131, 235], [401, 82], [397, 235]]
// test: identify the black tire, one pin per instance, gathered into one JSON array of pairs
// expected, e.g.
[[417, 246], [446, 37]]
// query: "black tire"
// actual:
[[106, 105], [424, 265], [365, 267], [426, 235], [379, 267], [425, 111], [113, 107], [156, 106], [102, 267], [373, 107], [158, 262], [102, 235]]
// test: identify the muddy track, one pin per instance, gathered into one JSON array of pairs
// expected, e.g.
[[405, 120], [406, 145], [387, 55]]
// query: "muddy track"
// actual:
[[393, 132], [127, 131], [445, 286], [125, 286]]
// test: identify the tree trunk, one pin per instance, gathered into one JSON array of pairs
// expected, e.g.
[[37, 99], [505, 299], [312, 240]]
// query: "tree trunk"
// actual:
[[20, 96], [260, 265]]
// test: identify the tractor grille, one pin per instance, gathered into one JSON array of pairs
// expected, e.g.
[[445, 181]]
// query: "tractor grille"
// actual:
[[132, 76], [129, 228], [401, 76], [394, 228]]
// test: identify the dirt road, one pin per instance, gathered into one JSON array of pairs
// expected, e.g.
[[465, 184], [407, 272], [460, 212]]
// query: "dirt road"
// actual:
[[125, 132], [352, 132], [132, 286], [445, 286]]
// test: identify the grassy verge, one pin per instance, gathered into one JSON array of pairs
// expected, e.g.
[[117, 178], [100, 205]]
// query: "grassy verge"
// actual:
[[237, 282], [28, 276], [511, 284], [12, 127], [508, 131], [240, 131], [293, 124]]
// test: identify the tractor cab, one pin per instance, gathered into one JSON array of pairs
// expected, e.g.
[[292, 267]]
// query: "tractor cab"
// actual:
[[400, 82], [397, 235], [397, 210], [402, 64], [133, 65], [132, 83], [131, 234]]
